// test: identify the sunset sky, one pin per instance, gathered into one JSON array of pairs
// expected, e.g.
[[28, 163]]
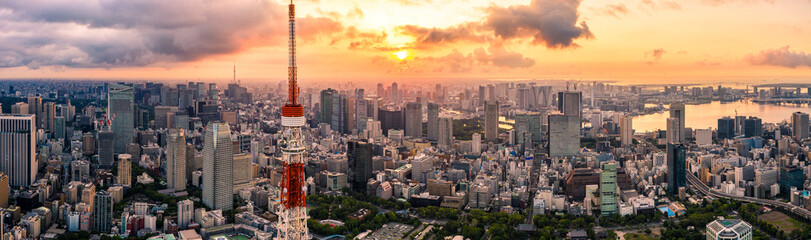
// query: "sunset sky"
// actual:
[[640, 41]]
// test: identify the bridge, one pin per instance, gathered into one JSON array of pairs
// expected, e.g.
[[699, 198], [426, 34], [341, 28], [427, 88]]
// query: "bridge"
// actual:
[[783, 100], [785, 207]]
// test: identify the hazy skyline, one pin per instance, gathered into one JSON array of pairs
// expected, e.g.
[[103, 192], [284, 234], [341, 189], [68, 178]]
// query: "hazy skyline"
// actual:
[[628, 41]]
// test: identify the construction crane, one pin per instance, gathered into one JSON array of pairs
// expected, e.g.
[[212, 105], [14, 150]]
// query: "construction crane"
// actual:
[[293, 216]]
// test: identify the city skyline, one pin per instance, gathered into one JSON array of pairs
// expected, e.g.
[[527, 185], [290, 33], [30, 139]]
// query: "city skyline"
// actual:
[[626, 41]]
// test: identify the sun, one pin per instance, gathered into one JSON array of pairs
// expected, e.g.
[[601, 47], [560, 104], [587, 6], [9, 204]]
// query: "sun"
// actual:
[[401, 54]]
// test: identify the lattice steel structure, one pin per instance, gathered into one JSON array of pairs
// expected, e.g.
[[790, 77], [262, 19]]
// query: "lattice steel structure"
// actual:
[[293, 217]]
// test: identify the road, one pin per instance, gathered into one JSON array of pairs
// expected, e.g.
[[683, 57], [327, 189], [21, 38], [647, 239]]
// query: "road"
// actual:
[[704, 189]]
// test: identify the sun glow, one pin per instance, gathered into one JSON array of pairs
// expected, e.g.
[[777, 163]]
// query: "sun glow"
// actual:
[[401, 54]]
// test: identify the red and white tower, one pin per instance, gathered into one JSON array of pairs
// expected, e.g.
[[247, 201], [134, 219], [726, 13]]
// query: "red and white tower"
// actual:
[[293, 217]]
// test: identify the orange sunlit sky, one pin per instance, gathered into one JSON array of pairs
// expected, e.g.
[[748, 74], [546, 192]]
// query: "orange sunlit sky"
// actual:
[[644, 41]]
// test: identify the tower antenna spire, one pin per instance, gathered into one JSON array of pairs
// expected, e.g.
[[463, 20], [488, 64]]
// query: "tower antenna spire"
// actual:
[[293, 215]]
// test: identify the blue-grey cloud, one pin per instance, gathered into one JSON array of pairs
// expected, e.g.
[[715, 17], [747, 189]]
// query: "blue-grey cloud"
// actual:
[[112, 33], [551, 22]]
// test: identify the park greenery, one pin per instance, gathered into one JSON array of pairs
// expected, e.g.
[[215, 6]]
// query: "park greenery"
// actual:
[[340, 207]]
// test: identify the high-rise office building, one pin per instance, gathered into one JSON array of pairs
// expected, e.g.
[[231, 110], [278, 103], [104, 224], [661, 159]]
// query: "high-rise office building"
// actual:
[[413, 120], [48, 115], [673, 130], [476, 145], [564, 135], [35, 107], [242, 171], [18, 145], [491, 120], [185, 213], [791, 176], [395, 93], [729, 229], [106, 146], [20, 108], [361, 110], [433, 121], [359, 156], [676, 167], [799, 124], [677, 111], [528, 127], [124, 169], [102, 212], [571, 103], [445, 131], [752, 127], [121, 113], [391, 119], [218, 179], [608, 189], [726, 128], [176, 159], [59, 128], [626, 131], [339, 113]]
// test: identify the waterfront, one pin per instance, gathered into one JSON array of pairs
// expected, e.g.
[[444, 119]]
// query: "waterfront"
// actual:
[[704, 116]]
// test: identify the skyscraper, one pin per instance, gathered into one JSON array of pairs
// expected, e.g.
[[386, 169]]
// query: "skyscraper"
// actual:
[[339, 112], [102, 211], [490, 120], [218, 179], [608, 189], [476, 145], [413, 120], [570, 103], [799, 124], [676, 167], [564, 135], [626, 131], [527, 127], [48, 115], [445, 131], [326, 105], [185, 213], [677, 111], [176, 159], [35, 107], [433, 121], [120, 112], [752, 127], [106, 145], [359, 155], [18, 145], [726, 128], [673, 131], [124, 170], [395, 93], [361, 110]]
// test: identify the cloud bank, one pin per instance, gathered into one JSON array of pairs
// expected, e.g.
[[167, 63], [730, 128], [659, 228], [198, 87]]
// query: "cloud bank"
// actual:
[[782, 57]]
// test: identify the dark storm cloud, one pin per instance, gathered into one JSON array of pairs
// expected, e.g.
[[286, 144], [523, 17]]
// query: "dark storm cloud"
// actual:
[[552, 22], [111, 33], [782, 57]]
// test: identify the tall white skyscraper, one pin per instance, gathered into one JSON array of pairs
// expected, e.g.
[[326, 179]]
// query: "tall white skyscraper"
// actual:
[[185, 213], [176, 159], [564, 135], [18, 145], [218, 179], [120, 112], [626, 131]]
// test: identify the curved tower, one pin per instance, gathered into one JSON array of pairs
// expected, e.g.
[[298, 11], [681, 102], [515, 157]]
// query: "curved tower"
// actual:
[[293, 217]]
